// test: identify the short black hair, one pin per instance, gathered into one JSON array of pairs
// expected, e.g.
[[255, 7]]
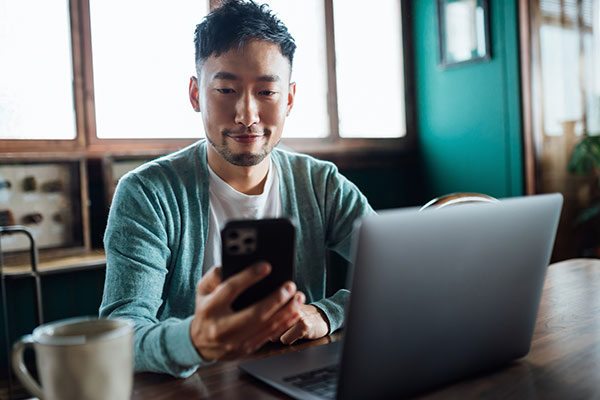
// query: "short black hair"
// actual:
[[236, 22]]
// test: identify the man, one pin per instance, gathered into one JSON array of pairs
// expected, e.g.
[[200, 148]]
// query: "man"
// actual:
[[162, 239]]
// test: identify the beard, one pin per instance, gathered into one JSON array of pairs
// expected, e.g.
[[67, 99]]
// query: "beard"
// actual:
[[245, 158]]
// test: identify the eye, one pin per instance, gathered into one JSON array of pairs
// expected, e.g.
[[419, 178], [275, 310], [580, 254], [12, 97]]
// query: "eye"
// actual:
[[268, 93], [225, 91]]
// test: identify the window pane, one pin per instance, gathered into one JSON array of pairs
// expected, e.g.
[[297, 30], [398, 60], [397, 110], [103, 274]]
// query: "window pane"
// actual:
[[592, 94], [306, 22], [592, 68], [143, 52], [560, 77], [370, 76], [36, 91]]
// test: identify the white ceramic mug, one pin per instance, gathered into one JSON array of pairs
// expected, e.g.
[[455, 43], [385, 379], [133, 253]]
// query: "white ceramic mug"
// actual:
[[79, 358]]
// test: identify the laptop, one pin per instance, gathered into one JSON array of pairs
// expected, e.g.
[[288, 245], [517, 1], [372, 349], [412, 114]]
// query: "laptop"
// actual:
[[437, 296]]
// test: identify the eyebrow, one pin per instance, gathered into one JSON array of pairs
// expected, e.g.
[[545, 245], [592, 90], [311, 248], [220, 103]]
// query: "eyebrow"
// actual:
[[231, 77], [225, 75], [269, 78]]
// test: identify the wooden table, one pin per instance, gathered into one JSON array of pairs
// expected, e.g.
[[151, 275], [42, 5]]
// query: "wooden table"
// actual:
[[564, 361]]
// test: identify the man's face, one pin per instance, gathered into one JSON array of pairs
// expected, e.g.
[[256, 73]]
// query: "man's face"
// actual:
[[244, 96]]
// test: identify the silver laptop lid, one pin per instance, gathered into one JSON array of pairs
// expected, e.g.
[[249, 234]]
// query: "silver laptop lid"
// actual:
[[443, 294]]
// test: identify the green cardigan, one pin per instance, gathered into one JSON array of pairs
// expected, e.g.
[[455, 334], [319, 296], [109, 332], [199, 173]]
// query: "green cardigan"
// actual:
[[157, 229]]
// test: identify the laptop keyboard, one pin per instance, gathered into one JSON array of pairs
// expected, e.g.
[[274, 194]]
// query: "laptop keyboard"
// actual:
[[320, 382]]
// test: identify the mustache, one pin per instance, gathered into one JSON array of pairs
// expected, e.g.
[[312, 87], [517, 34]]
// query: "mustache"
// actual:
[[252, 130]]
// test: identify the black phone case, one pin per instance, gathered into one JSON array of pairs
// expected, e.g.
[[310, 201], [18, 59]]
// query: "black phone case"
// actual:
[[245, 242]]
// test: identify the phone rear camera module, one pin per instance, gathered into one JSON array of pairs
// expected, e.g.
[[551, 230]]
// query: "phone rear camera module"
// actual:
[[240, 241], [233, 250]]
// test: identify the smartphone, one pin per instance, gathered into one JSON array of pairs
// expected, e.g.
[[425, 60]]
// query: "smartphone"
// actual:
[[245, 242]]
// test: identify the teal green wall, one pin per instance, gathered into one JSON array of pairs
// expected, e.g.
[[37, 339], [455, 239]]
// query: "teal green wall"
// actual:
[[469, 122], [65, 295]]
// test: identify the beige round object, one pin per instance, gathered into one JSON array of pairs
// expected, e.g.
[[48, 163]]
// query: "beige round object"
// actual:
[[79, 358]]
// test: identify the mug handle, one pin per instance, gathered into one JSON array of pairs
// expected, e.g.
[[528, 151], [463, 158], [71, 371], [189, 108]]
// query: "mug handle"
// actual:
[[20, 368]]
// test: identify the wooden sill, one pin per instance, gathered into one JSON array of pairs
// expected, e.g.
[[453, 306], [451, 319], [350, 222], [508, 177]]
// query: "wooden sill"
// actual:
[[355, 153], [346, 153], [92, 259]]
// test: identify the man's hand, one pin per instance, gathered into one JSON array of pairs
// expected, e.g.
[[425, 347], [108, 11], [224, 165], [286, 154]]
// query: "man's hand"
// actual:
[[313, 324], [219, 333]]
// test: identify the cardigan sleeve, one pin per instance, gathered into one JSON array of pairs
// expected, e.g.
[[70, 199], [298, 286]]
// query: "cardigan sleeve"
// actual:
[[137, 256], [343, 206]]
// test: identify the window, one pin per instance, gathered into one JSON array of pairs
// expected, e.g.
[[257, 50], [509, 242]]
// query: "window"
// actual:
[[119, 79], [36, 92], [368, 73], [305, 21], [143, 57], [569, 56]]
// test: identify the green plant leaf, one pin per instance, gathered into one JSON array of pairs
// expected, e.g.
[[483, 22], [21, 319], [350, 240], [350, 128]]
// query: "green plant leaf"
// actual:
[[586, 156], [587, 214]]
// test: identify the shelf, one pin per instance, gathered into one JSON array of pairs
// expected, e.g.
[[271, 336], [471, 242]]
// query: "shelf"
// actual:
[[91, 260]]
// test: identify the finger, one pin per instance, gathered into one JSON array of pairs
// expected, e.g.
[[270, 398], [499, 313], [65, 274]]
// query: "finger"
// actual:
[[242, 326], [210, 281], [252, 319], [275, 338], [298, 331], [249, 343], [263, 310], [251, 333], [283, 321], [300, 300], [236, 284]]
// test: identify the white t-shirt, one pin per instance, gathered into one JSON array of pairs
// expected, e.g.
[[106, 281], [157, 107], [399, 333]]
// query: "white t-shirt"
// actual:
[[226, 204]]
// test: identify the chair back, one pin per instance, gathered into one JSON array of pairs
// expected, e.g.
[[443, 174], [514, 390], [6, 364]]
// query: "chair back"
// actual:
[[457, 199]]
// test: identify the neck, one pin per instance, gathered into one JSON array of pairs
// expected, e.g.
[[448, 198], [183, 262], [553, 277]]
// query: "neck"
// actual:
[[248, 180]]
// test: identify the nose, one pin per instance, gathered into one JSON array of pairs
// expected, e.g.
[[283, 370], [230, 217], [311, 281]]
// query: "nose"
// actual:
[[246, 110]]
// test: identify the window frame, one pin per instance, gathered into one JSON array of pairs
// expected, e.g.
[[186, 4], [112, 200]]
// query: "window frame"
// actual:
[[95, 144], [333, 146], [562, 21], [61, 145]]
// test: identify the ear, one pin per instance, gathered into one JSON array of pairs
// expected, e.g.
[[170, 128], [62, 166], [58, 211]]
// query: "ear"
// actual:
[[194, 90], [291, 97]]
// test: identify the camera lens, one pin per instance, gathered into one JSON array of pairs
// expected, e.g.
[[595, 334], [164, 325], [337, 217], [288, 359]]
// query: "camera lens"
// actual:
[[234, 249]]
